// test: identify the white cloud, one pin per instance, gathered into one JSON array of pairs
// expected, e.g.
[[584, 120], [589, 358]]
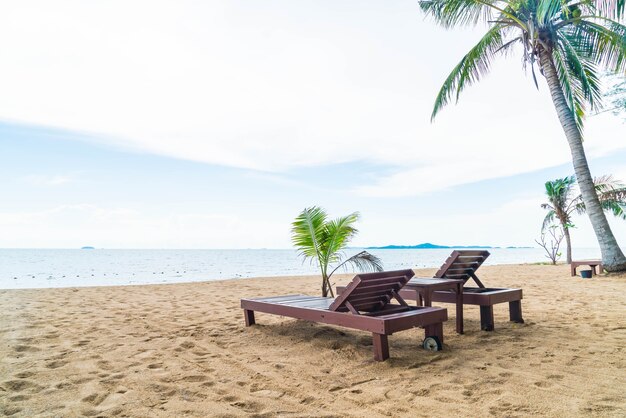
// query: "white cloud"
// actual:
[[54, 180], [276, 86]]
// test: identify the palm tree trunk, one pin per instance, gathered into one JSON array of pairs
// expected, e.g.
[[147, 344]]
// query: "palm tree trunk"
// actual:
[[327, 289], [568, 242], [324, 286], [612, 256]]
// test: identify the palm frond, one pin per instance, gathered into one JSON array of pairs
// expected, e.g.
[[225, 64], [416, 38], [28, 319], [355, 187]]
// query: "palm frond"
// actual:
[[307, 231], [450, 13], [548, 220], [578, 205], [584, 71], [606, 184], [603, 43], [612, 8], [474, 65], [617, 208], [611, 194], [547, 10], [362, 261], [337, 233], [570, 87], [506, 47]]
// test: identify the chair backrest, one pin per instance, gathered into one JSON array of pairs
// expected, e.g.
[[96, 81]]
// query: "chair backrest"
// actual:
[[371, 291], [462, 264]]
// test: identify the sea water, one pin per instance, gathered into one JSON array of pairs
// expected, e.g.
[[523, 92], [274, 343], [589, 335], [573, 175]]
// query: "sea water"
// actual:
[[42, 268]]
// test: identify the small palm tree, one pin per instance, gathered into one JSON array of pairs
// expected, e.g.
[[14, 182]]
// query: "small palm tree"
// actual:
[[323, 240], [570, 41], [564, 202]]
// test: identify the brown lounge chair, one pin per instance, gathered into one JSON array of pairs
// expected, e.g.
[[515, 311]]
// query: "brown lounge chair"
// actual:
[[365, 305], [462, 264]]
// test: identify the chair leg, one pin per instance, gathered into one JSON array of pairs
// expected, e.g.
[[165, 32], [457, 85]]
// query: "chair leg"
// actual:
[[486, 317], [459, 309], [249, 317], [381, 347], [515, 311], [434, 330]]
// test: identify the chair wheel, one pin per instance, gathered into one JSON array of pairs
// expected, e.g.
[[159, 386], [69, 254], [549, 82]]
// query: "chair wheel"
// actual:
[[432, 344]]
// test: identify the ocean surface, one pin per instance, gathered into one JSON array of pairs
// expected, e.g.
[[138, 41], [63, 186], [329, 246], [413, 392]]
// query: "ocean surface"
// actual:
[[26, 268]]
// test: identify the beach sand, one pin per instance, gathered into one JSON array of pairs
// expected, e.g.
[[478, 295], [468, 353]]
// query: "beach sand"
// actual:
[[182, 350]]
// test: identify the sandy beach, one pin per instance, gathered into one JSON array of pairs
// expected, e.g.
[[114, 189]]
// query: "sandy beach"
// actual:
[[183, 350]]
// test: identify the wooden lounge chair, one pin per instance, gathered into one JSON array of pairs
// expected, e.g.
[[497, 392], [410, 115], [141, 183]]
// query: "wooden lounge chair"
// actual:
[[462, 264], [365, 305]]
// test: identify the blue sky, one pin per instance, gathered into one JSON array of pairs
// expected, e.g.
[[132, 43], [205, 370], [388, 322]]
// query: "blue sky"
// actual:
[[211, 125]]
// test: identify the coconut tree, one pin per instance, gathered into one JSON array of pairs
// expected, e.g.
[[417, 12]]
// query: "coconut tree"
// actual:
[[563, 202], [570, 41], [559, 193], [322, 240]]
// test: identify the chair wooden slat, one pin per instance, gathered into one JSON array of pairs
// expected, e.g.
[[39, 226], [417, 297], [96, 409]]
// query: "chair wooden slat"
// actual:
[[368, 292], [474, 259], [378, 289], [369, 306], [375, 298]]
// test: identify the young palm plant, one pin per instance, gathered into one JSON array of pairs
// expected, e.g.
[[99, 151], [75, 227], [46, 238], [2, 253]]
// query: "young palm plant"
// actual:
[[322, 240], [564, 202], [570, 41]]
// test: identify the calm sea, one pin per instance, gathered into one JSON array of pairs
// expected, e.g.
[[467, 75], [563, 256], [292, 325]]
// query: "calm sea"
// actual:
[[21, 268]]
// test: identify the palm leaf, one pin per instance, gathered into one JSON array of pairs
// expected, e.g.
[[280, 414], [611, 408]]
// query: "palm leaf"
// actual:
[[548, 220], [337, 233], [584, 70], [606, 184], [474, 65], [612, 196], [457, 12], [612, 8], [617, 208], [362, 261], [570, 87], [547, 10], [603, 43], [307, 231]]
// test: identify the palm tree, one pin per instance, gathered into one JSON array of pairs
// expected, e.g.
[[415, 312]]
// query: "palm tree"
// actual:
[[560, 207], [563, 203], [570, 41], [323, 240]]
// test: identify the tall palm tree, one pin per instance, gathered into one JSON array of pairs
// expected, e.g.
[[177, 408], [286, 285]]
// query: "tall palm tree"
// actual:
[[323, 240], [563, 203], [570, 41]]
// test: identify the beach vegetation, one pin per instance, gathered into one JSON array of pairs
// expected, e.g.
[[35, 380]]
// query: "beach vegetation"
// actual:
[[323, 241], [564, 200], [569, 43], [550, 241]]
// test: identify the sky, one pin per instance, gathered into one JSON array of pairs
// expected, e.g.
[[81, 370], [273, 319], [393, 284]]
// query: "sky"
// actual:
[[188, 124]]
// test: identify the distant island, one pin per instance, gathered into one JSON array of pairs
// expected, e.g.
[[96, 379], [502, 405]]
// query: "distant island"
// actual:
[[87, 248], [429, 246]]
